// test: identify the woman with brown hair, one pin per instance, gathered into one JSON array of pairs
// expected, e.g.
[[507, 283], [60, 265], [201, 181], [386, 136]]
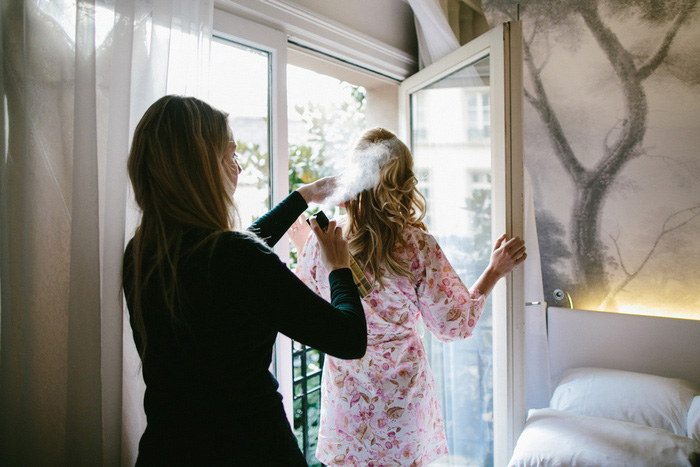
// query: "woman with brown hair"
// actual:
[[206, 300], [382, 409]]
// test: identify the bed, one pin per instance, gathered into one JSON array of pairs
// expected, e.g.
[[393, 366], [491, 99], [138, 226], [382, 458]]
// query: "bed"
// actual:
[[626, 392]]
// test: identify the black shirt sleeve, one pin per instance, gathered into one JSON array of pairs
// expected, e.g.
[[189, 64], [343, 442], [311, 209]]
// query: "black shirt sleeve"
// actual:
[[274, 224], [279, 299], [338, 328]]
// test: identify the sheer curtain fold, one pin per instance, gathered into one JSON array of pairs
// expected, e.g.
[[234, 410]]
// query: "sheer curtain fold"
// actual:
[[114, 196], [83, 353], [538, 378], [435, 37], [443, 25], [37, 202], [172, 40], [190, 46], [75, 79]]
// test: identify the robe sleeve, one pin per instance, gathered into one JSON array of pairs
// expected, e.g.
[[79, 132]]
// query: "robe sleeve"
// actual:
[[308, 264], [449, 309]]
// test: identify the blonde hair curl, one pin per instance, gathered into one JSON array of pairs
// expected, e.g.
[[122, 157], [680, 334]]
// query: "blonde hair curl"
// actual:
[[378, 216]]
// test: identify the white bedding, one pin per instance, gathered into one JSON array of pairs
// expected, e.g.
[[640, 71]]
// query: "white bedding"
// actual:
[[555, 438], [648, 400]]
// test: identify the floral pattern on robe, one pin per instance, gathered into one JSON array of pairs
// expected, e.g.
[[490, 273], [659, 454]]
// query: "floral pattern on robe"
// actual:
[[382, 410]]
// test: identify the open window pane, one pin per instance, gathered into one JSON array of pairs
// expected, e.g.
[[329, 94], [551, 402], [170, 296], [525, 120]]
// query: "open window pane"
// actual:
[[452, 154], [464, 113]]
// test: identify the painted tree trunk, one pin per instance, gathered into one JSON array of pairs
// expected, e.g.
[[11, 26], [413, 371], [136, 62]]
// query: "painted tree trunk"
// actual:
[[589, 252], [594, 185]]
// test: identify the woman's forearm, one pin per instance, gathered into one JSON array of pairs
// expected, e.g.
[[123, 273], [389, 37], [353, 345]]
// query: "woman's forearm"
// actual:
[[486, 282], [273, 225], [506, 255]]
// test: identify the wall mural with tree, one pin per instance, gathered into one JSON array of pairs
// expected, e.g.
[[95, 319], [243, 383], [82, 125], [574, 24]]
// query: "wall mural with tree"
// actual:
[[612, 143]]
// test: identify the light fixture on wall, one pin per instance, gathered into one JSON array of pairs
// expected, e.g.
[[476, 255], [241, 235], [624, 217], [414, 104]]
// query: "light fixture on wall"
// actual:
[[659, 312], [559, 295]]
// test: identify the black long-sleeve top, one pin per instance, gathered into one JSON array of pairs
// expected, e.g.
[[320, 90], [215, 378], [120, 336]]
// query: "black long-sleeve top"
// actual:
[[210, 398]]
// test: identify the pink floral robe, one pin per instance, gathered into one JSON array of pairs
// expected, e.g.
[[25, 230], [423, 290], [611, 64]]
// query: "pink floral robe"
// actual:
[[382, 410]]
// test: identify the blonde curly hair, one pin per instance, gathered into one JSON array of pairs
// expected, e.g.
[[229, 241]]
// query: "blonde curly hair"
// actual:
[[378, 215]]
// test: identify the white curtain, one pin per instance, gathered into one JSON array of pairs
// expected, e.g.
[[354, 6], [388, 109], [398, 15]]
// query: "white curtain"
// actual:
[[435, 36], [75, 79], [537, 373], [172, 52]]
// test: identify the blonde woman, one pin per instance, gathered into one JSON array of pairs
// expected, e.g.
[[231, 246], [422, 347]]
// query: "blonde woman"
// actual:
[[382, 409], [206, 300]]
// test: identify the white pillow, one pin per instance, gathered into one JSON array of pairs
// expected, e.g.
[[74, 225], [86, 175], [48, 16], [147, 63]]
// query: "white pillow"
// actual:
[[552, 438], [648, 400], [694, 419]]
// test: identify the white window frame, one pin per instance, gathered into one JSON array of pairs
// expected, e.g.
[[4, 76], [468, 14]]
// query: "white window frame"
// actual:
[[312, 30], [274, 42], [502, 44]]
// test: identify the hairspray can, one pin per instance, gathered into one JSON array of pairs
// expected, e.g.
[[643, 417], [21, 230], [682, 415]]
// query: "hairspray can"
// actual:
[[363, 285]]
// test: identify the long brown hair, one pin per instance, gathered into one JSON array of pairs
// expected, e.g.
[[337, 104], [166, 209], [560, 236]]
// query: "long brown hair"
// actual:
[[378, 216], [175, 167]]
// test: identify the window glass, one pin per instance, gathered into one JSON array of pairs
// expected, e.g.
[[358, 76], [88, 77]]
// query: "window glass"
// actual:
[[239, 86], [325, 117], [452, 156]]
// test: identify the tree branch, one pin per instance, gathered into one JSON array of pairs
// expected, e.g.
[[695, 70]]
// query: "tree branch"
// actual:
[[606, 147], [620, 59], [630, 276], [546, 57], [619, 256], [664, 231], [653, 63], [531, 99], [686, 168], [634, 126], [540, 101], [529, 40]]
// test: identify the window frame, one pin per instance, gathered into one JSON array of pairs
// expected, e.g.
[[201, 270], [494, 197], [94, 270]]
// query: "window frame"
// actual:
[[503, 44], [274, 42], [230, 26], [508, 397]]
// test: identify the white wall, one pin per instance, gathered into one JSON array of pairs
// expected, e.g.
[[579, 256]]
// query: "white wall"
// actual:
[[383, 107], [645, 344], [389, 21]]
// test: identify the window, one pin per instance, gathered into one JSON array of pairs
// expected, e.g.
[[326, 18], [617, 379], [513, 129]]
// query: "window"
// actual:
[[481, 380], [325, 116], [478, 114], [498, 386], [293, 123], [460, 220], [245, 97], [423, 176], [308, 366], [248, 80]]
